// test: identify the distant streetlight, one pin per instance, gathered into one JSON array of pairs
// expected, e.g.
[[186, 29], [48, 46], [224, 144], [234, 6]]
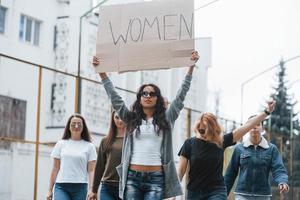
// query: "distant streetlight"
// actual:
[[292, 111], [257, 75], [295, 81], [78, 78]]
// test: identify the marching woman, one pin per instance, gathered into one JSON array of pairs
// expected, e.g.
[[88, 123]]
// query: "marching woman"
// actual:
[[147, 169], [74, 160], [255, 159], [109, 157], [204, 153]]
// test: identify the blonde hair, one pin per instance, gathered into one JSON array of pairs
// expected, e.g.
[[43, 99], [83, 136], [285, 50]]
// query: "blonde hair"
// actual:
[[213, 128]]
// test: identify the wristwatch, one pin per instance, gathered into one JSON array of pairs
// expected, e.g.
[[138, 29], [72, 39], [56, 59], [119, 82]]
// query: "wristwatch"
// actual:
[[267, 112]]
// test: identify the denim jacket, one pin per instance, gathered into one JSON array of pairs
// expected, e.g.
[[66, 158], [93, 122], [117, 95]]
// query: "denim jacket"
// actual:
[[254, 165], [171, 183]]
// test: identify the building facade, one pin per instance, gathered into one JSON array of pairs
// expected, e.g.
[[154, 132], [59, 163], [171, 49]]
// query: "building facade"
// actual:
[[47, 33]]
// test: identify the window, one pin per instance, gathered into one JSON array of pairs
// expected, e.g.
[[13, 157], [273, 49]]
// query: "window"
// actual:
[[12, 117], [2, 19], [29, 30]]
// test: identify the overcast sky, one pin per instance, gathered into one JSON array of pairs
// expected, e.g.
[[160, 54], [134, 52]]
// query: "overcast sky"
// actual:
[[249, 36]]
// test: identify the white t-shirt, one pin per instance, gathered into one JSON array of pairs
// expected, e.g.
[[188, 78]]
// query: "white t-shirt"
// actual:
[[74, 156], [147, 146]]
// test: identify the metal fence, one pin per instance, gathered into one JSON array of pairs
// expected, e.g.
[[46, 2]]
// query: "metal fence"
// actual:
[[25, 163], [28, 157]]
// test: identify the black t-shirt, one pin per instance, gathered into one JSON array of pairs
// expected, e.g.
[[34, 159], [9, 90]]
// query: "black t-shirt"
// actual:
[[206, 162]]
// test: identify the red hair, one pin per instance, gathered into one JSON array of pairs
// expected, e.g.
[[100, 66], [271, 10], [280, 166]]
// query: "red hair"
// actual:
[[213, 129]]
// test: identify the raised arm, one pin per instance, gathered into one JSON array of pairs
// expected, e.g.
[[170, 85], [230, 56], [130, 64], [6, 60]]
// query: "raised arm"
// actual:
[[232, 170], [116, 100], [241, 131], [177, 104]]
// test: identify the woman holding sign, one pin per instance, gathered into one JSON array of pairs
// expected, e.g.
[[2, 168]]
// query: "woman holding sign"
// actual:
[[147, 170]]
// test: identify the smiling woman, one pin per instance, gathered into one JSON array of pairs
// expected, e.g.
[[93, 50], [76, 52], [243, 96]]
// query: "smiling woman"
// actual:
[[73, 162], [147, 170]]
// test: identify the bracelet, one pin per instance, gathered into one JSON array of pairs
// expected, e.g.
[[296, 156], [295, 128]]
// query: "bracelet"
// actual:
[[267, 112]]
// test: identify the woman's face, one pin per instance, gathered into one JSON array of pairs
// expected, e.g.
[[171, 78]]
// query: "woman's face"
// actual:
[[76, 126], [256, 131], [148, 97], [202, 129], [119, 123]]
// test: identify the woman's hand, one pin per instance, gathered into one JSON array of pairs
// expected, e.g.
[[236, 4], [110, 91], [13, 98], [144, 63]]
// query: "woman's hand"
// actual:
[[92, 195], [283, 188], [96, 62], [49, 195], [271, 106], [195, 56]]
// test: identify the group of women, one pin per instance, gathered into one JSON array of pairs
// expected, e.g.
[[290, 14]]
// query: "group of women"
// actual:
[[135, 160]]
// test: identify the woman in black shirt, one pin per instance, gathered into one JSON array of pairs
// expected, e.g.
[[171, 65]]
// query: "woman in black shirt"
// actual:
[[204, 153]]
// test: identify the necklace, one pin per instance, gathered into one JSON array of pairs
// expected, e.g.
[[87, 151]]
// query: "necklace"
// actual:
[[148, 125]]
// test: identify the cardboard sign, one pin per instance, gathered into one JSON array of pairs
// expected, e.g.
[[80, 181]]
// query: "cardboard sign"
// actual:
[[147, 35]]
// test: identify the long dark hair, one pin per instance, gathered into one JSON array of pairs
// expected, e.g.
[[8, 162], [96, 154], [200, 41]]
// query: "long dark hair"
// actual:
[[112, 133], [159, 116], [85, 134]]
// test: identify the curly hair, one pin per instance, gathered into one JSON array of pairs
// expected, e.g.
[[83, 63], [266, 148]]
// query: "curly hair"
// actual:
[[159, 116]]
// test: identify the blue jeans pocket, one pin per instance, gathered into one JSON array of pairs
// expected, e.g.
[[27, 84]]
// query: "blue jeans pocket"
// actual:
[[144, 185]]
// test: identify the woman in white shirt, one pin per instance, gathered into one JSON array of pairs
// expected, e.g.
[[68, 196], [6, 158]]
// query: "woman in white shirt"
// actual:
[[74, 161], [147, 170]]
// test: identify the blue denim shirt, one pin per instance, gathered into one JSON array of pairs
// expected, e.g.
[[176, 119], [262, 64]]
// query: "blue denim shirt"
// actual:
[[254, 165]]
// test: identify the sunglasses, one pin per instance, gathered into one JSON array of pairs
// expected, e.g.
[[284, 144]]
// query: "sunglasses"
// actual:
[[201, 131], [74, 125], [148, 94]]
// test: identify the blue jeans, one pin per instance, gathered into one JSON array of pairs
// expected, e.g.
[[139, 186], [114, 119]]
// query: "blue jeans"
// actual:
[[144, 185], [216, 193], [70, 191], [247, 197], [109, 192]]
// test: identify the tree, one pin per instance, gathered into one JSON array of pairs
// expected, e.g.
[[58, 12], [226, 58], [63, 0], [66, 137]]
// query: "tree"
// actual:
[[283, 115], [283, 125]]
